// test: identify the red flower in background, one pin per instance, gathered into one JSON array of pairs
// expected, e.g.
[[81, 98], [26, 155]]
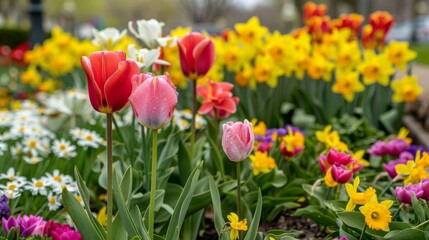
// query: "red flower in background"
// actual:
[[313, 10], [217, 99], [374, 34]]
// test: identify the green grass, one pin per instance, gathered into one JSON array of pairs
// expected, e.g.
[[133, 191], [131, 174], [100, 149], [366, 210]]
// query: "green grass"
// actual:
[[422, 53]]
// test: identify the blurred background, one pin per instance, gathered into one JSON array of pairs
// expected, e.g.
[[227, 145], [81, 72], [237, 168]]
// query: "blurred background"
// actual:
[[78, 16]]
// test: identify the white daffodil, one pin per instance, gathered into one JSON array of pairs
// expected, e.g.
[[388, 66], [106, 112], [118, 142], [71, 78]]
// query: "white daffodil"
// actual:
[[145, 57], [107, 38], [149, 31]]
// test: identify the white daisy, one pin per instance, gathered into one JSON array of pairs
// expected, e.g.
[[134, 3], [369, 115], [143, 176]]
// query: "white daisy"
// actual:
[[200, 122], [13, 186], [17, 150], [90, 139], [3, 148], [33, 146], [38, 186], [12, 194], [57, 178], [63, 149], [32, 160], [12, 176], [53, 202]]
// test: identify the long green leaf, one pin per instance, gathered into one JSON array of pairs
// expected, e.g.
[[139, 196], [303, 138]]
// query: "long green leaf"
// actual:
[[219, 222], [254, 225], [79, 216], [182, 205]]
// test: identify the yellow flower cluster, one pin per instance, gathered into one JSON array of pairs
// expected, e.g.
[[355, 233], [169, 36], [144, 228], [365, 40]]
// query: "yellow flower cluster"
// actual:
[[415, 170]]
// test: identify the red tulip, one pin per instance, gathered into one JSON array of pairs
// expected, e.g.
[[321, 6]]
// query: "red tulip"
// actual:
[[217, 99], [153, 99], [109, 79], [197, 54], [237, 140]]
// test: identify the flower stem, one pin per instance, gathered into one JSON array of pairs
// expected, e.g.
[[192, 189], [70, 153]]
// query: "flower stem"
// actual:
[[153, 183], [363, 232], [390, 184], [194, 113], [238, 191], [109, 177]]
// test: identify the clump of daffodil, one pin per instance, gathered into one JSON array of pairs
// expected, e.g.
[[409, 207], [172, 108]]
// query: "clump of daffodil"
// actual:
[[348, 56], [283, 55], [31, 76], [243, 76], [415, 170], [258, 127], [357, 198], [331, 139], [406, 89], [262, 163], [377, 215], [347, 84], [399, 54], [376, 68], [251, 32], [236, 225]]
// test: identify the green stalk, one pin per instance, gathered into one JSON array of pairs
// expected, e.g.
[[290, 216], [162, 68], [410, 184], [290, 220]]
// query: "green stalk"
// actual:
[[194, 113], [363, 232], [153, 183], [239, 194], [109, 177]]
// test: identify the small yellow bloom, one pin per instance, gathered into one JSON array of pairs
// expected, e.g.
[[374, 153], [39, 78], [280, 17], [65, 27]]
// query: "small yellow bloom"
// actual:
[[331, 139], [399, 54], [262, 163], [265, 71], [236, 225], [319, 67], [293, 140], [259, 128], [31, 76], [251, 32], [403, 134], [376, 68], [413, 172], [102, 216], [377, 215], [360, 198], [406, 89], [347, 84]]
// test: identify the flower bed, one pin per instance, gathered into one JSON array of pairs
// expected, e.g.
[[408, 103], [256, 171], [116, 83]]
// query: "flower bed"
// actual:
[[225, 137]]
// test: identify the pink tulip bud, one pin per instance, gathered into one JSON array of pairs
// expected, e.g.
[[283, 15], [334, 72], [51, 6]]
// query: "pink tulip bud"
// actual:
[[153, 99], [237, 140], [341, 174], [109, 79], [197, 54]]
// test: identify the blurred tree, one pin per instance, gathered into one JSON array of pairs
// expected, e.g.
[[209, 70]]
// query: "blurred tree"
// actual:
[[205, 11]]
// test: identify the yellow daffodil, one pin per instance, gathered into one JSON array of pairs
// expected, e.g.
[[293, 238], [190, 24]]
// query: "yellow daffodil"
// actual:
[[259, 128], [31, 76], [413, 173], [376, 68], [347, 84], [262, 163], [265, 71], [403, 134], [102, 216], [358, 155], [243, 76], [251, 32], [356, 197], [331, 139], [283, 54], [236, 225], [399, 54], [348, 56], [319, 67], [293, 140], [377, 215], [406, 89]]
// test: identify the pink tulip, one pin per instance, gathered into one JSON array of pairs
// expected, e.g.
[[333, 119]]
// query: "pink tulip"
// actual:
[[109, 79], [153, 99], [237, 140], [217, 99], [340, 174], [197, 54]]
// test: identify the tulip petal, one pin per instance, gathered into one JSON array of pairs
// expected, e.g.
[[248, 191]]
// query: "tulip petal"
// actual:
[[232, 144], [186, 68], [206, 107], [118, 87], [94, 91], [205, 55], [227, 104], [103, 65]]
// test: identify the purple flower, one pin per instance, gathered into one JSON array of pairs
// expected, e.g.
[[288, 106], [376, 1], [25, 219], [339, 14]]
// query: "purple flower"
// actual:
[[4, 207], [413, 149], [28, 225], [281, 132], [407, 156], [267, 138], [396, 146], [390, 166], [424, 186], [404, 194], [379, 148]]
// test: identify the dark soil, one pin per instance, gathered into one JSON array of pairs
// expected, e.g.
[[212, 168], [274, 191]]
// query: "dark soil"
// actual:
[[310, 229]]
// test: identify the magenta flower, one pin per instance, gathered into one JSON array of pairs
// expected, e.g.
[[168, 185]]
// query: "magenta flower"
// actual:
[[340, 174], [153, 99], [61, 231], [335, 158], [237, 140], [424, 186], [396, 146], [390, 166], [28, 225], [404, 194], [263, 147], [379, 148]]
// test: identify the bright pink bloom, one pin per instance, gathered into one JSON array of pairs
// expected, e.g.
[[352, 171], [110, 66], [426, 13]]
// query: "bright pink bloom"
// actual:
[[404, 194], [28, 225], [61, 231], [335, 158], [153, 99], [217, 99], [197, 54], [109, 79], [340, 174], [237, 140]]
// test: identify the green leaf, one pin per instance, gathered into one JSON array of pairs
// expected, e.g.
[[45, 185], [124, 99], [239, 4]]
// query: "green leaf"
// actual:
[[418, 209], [80, 217], [254, 225], [280, 208], [182, 205], [184, 162], [84, 191], [318, 214], [336, 205], [219, 222], [118, 229], [406, 234], [216, 156]]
